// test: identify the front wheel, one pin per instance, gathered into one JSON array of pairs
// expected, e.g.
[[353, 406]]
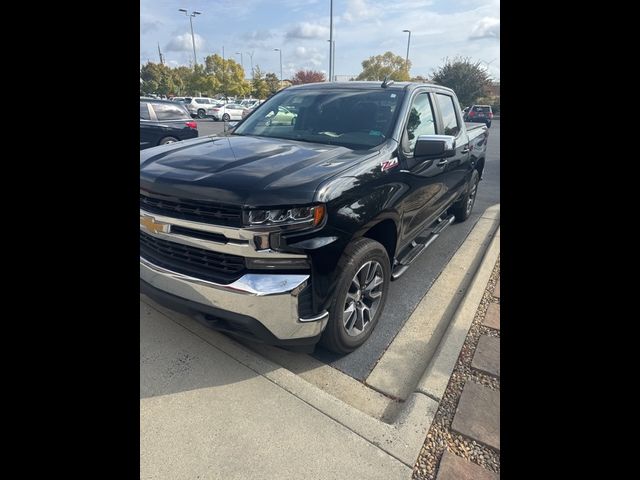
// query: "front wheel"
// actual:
[[361, 294], [226, 117], [463, 207]]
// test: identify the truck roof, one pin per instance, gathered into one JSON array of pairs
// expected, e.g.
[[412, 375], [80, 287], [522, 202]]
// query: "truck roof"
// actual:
[[369, 85]]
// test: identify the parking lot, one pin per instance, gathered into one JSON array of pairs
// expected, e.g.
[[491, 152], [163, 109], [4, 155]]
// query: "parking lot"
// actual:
[[406, 292]]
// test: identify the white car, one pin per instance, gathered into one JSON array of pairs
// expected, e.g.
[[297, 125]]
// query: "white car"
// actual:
[[199, 107], [230, 111]]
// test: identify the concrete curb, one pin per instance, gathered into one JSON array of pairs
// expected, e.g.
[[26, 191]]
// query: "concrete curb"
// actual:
[[404, 363], [436, 378]]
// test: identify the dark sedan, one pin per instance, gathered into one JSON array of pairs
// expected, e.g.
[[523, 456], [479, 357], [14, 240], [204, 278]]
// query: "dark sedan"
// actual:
[[164, 121]]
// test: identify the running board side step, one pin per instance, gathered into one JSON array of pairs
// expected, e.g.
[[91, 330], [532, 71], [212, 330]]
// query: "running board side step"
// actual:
[[419, 245]]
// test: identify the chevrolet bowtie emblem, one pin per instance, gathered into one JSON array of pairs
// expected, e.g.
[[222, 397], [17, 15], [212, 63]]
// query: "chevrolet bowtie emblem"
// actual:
[[151, 225]]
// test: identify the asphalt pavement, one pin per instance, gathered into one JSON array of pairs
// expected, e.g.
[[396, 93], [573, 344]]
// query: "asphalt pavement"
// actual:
[[406, 292]]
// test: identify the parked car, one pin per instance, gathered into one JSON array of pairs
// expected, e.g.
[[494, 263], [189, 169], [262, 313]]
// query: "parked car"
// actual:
[[200, 107], [291, 234], [247, 111], [283, 117], [164, 121], [230, 111], [480, 114]]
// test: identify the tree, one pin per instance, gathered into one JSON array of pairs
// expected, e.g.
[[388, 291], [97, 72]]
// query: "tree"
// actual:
[[307, 76], [467, 79], [226, 76], [273, 84], [381, 66], [420, 78], [259, 87], [156, 78]]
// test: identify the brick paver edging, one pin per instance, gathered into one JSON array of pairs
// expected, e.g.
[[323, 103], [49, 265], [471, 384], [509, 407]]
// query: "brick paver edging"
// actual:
[[466, 454]]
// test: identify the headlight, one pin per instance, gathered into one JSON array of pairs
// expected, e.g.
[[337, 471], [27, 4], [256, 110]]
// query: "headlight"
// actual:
[[307, 216]]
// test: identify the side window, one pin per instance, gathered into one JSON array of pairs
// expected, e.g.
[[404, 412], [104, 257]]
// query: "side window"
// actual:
[[144, 111], [169, 112], [448, 110], [420, 120]]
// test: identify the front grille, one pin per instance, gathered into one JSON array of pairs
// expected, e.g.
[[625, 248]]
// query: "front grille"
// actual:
[[196, 262], [193, 210]]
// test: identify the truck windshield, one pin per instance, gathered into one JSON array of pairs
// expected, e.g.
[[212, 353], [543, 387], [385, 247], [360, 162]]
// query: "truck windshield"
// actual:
[[356, 119]]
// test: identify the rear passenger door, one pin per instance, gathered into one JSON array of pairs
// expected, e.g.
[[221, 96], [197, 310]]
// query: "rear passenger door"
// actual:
[[425, 178], [456, 169], [147, 127]]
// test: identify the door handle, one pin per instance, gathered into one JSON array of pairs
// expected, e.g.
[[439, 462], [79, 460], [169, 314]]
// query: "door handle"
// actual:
[[466, 150], [442, 163]]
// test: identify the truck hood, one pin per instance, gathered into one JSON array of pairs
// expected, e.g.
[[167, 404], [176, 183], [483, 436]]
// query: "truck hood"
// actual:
[[243, 170]]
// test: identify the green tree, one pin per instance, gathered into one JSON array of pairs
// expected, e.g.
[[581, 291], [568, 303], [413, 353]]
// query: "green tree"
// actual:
[[227, 76], [259, 87], [466, 78], [156, 78], [273, 84], [386, 65]]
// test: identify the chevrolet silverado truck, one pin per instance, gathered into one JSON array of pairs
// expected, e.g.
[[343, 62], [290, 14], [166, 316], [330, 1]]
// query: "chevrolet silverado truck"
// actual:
[[290, 233]]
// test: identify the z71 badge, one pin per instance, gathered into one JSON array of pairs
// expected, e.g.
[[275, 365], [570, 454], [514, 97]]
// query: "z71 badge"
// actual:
[[389, 164]]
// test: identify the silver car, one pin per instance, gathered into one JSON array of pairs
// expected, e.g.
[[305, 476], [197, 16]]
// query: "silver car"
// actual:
[[200, 107]]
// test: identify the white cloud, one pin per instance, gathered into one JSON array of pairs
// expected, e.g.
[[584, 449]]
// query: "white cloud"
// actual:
[[183, 43], [488, 27], [360, 10], [301, 51], [306, 30]]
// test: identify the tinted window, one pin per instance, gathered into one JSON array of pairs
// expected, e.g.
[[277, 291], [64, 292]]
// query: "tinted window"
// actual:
[[420, 119], [353, 118], [165, 111], [202, 100], [448, 111], [482, 109], [144, 111]]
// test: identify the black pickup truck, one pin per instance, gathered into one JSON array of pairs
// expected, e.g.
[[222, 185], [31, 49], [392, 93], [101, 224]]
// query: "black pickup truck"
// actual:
[[290, 232]]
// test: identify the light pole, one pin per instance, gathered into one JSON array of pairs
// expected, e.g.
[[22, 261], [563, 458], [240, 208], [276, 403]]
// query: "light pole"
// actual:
[[278, 50], [241, 60], [193, 38], [408, 43], [251, 57], [331, 45], [332, 60]]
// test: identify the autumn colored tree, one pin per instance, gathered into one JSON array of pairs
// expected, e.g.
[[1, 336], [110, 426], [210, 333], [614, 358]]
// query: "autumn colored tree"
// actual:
[[387, 65], [307, 76]]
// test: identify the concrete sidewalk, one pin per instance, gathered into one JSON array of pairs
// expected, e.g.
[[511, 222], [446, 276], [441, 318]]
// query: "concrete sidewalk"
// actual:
[[204, 415]]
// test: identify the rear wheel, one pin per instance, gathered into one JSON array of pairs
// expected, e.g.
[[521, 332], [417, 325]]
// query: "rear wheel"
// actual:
[[166, 140], [488, 124], [226, 117], [361, 294], [462, 208], [201, 113]]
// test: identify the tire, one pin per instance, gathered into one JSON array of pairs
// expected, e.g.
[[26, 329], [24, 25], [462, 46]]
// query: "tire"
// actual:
[[167, 140], [226, 117], [202, 113], [462, 208], [344, 334], [488, 124]]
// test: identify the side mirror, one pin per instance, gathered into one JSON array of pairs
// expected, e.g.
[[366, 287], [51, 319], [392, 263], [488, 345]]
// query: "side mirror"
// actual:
[[228, 126], [435, 146]]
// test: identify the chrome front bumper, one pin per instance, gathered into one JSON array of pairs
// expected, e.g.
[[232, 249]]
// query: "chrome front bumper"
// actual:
[[269, 298]]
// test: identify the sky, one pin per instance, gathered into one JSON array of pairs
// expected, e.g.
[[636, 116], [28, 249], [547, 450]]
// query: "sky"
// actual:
[[361, 28]]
